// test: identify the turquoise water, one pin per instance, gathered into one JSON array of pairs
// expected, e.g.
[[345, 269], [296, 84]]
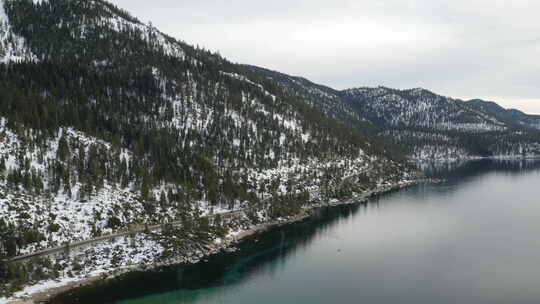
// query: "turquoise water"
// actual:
[[472, 239]]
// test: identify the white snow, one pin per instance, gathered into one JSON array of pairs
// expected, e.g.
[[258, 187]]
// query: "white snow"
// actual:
[[12, 47], [245, 79], [424, 109], [126, 252], [3, 16]]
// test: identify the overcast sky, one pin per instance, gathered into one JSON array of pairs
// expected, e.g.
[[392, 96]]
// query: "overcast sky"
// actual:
[[486, 49]]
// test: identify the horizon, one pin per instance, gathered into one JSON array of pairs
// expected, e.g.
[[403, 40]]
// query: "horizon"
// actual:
[[462, 50]]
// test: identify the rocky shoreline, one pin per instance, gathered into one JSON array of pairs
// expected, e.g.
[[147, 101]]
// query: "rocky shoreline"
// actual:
[[206, 250]]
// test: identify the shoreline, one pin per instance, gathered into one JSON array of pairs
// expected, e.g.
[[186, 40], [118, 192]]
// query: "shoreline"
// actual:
[[41, 293], [476, 158]]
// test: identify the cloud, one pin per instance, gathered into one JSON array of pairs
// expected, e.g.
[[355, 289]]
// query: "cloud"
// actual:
[[469, 49]]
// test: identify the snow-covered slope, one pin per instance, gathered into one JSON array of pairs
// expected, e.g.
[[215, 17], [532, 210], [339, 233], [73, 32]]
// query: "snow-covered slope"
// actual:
[[113, 126], [430, 126], [417, 120], [3, 16], [420, 108], [510, 116], [109, 126], [326, 99], [12, 47]]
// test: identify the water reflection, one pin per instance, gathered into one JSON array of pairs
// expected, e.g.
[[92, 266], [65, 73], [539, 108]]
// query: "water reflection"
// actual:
[[426, 244], [472, 169], [278, 244]]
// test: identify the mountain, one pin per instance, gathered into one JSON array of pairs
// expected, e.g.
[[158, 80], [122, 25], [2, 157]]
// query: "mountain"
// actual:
[[419, 123], [108, 125], [431, 126], [419, 108], [325, 99], [511, 116]]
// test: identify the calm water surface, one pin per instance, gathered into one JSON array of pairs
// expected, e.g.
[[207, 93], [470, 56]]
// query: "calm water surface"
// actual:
[[472, 239]]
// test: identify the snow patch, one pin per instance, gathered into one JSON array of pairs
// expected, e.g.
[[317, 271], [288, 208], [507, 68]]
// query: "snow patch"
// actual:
[[3, 16], [12, 47]]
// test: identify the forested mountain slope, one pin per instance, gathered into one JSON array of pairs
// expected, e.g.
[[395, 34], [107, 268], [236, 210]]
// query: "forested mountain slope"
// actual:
[[511, 116], [108, 124], [326, 99], [420, 123], [430, 126]]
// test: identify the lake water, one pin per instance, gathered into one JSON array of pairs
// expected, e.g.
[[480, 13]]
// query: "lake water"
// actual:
[[473, 239]]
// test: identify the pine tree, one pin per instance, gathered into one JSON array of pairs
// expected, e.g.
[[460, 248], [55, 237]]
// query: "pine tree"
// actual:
[[63, 149]]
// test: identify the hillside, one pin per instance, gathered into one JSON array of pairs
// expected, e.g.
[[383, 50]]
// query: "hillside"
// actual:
[[108, 125], [421, 124], [510, 116], [430, 126]]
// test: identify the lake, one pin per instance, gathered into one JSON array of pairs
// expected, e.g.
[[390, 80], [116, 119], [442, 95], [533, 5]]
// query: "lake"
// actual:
[[472, 239]]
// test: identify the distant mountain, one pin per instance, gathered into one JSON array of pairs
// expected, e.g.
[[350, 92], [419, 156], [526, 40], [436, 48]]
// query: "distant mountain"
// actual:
[[419, 108], [420, 123], [429, 126], [510, 116]]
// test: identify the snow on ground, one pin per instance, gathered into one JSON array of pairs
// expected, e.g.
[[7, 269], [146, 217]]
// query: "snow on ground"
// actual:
[[421, 108], [69, 217], [149, 33], [43, 286], [75, 220], [3, 16], [12, 50], [246, 80], [63, 217], [122, 253], [448, 147], [127, 252], [471, 127], [12, 47]]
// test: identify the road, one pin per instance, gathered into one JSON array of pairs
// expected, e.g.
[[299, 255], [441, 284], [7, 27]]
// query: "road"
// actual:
[[74, 245]]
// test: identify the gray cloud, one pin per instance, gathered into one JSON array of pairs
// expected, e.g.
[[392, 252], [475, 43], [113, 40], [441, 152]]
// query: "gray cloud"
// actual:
[[469, 49]]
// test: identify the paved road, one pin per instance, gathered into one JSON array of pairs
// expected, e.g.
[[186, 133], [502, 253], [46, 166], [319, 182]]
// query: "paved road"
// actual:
[[74, 245], [53, 250]]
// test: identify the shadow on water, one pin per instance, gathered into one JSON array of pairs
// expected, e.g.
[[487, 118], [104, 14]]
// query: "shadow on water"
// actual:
[[223, 269], [270, 250]]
